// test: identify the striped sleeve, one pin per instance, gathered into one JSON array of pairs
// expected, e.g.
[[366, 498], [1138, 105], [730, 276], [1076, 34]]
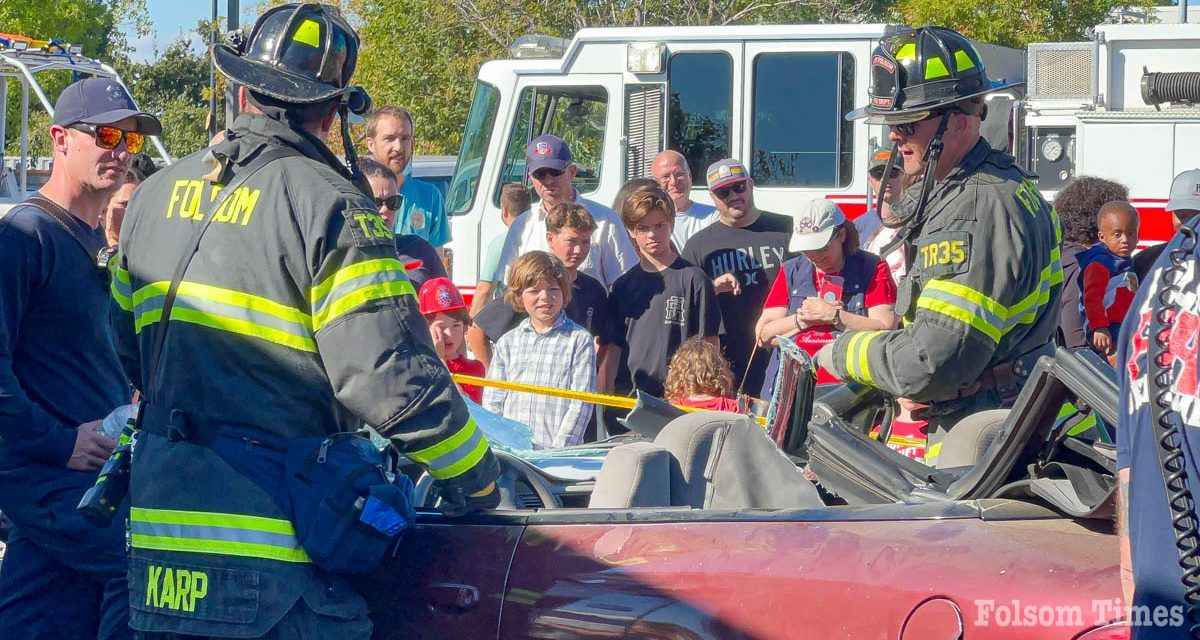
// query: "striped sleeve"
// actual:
[[375, 347]]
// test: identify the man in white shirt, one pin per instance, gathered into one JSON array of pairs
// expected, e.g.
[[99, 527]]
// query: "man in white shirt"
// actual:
[[671, 172], [551, 169]]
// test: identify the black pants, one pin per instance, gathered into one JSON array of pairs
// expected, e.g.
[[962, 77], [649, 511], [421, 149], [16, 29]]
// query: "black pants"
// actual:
[[43, 596]]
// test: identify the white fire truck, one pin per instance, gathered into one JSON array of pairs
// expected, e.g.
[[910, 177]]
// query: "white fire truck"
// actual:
[[774, 96], [1122, 107]]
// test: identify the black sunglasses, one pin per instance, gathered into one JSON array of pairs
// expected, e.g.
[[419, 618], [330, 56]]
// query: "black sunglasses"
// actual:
[[391, 202], [542, 174], [909, 128], [737, 187], [877, 173]]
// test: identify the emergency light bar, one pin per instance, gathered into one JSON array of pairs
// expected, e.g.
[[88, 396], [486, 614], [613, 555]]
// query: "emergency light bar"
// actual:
[[16, 42], [537, 47]]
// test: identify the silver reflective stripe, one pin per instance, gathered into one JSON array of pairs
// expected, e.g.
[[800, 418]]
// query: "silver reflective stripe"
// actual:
[[207, 532]]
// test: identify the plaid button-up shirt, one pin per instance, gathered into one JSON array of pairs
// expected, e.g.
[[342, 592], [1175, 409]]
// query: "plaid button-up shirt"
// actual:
[[563, 357]]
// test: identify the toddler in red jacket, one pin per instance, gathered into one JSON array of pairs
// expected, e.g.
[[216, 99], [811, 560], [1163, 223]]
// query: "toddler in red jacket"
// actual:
[[446, 312]]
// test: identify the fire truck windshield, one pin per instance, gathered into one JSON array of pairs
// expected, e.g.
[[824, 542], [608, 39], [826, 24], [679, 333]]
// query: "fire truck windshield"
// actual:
[[478, 133]]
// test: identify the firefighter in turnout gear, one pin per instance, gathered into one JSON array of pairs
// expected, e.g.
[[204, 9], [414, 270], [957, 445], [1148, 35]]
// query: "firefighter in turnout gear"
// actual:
[[980, 302], [293, 320]]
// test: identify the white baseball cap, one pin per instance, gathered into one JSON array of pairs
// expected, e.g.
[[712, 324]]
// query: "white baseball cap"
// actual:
[[814, 225], [1185, 191]]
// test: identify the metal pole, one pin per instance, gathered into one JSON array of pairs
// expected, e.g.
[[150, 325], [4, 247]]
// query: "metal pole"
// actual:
[[25, 137], [233, 21], [3, 121], [212, 77], [1183, 7]]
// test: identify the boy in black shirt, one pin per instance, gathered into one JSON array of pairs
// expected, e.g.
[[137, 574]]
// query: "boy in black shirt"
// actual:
[[741, 252], [661, 302], [569, 234]]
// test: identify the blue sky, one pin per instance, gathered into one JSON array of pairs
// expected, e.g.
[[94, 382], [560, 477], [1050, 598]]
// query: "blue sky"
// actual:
[[174, 17]]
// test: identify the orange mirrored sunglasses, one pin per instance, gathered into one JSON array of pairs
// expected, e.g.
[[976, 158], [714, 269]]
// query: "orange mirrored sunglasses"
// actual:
[[110, 137]]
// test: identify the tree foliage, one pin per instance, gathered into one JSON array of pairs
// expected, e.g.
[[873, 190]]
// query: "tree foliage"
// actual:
[[90, 23], [174, 87], [1014, 23]]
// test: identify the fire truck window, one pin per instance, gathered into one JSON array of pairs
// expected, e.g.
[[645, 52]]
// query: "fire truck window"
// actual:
[[576, 114], [480, 120], [800, 138], [698, 122]]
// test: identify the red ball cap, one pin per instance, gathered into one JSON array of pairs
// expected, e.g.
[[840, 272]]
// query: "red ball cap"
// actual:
[[439, 295]]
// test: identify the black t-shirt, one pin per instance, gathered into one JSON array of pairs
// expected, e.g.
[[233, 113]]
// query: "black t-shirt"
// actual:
[[754, 253], [589, 308], [658, 312]]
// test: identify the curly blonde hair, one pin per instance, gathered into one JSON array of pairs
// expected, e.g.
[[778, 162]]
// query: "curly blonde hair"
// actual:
[[696, 368]]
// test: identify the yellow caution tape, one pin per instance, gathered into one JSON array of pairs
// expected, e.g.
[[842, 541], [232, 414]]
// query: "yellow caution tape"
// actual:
[[619, 402]]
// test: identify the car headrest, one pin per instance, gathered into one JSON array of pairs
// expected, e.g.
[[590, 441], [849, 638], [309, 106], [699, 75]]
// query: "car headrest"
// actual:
[[727, 461]]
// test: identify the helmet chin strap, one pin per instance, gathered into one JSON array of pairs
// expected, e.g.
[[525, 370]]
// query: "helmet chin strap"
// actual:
[[912, 222], [356, 174]]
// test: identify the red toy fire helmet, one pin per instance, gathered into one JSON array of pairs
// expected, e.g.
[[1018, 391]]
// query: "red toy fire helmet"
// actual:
[[439, 295]]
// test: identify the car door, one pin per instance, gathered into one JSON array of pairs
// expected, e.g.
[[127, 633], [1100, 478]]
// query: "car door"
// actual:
[[446, 579], [841, 572]]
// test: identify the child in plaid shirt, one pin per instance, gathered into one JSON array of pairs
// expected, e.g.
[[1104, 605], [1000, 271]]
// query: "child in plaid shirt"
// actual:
[[546, 349]]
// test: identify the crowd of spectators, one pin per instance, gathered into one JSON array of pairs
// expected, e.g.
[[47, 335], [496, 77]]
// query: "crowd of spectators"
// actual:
[[683, 300]]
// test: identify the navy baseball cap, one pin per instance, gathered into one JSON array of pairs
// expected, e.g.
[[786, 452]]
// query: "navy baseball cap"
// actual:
[[101, 101], [547, 152]]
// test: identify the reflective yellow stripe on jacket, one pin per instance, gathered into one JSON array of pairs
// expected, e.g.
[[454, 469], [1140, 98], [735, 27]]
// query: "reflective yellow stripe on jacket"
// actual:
[[858, 365], [226, 310], [227, 534], [355, 285], [455, 455], [122, 289], [979, 311]]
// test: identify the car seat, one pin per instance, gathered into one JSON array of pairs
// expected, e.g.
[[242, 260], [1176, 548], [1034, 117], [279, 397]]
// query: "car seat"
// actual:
[[727, 461], [636, 474], [969, 440]]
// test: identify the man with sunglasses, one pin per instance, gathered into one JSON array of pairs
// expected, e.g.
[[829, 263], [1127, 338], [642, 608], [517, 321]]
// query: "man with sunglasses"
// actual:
[[742, 252], [60, 376], [982, 292], [873, 232], [552, 169]]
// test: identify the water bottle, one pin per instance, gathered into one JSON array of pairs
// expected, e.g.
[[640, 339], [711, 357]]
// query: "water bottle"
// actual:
[[115, 422]]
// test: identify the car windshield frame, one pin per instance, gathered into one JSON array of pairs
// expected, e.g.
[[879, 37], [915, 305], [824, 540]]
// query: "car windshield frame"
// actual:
[[477, 137]]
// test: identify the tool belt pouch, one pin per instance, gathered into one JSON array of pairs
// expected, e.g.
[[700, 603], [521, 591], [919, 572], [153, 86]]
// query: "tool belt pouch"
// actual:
[[349, 505]]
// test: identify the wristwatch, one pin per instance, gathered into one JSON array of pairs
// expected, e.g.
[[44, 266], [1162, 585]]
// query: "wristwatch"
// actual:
[[837, 317]]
